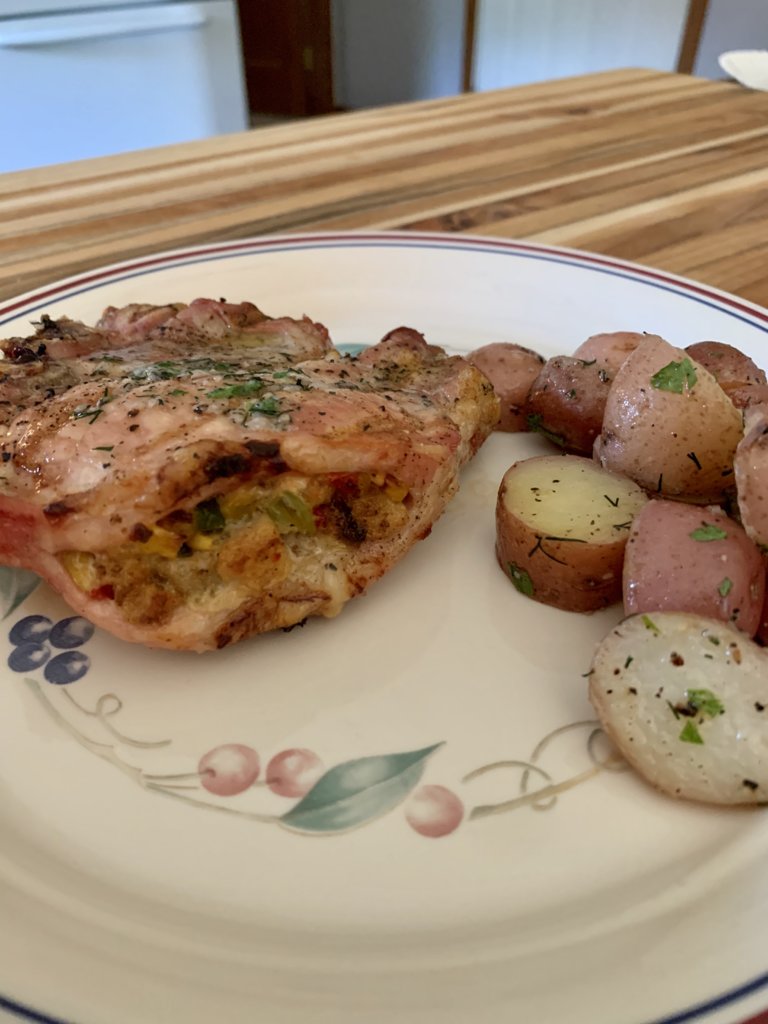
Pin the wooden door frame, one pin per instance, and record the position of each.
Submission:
(470, 30)
(691, 37)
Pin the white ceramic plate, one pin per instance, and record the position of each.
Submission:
(131, 894)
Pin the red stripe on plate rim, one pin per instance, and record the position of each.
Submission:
(180, 256)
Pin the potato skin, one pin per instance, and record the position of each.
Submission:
(761, 636)
(677, 444)
(735, 372)
(751, 471)
(511, 369)
(667, 569)
(609, 350)
(746, 395)
(568, 553)
(567, 401)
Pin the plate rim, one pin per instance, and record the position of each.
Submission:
(751, 313)
(205, 252)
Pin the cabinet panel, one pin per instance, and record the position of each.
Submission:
(520, 41)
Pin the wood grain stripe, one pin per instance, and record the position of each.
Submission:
(663, 168)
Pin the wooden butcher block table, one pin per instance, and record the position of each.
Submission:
(659, 168)
(663, 169)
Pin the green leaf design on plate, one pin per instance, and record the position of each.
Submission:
(15, 587)
(357, 791)
(350, 348)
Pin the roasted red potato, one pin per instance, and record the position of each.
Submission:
(511, 369)
(685, 700)
(684, 558)
(736, 373)
(751, 471)
(567, 401)
(669, 426)
(561, 528)
(609, 350)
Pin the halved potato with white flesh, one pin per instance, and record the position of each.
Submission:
(669, 425)
(685, 700)
(561, 528)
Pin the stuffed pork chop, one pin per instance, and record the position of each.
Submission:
(185, 476)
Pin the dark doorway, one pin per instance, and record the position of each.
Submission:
(287, 56)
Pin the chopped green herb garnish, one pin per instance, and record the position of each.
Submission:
(92, 412)
(103, 448)
(690, 734)
(704, 701)
(566, 540)
(209, 517)
(707, 532)
(177, 392)
(521, 579)
(268, 406)
(535, 425)
(650, 624)
(675, 377)
(714, 640)
(247, 389)
(538, 546)
(629, 661)
(726, 586)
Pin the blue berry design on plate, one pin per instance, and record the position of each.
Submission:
(35, 638)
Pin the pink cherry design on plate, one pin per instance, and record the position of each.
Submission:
(229, 769)
(294, 772)
(434, 811)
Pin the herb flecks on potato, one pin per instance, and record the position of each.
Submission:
(609, 350)
(692, 559)
(562, 524)
(567, 401)
(685, 700)
(669, 426)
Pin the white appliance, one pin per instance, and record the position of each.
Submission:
(83, 78)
